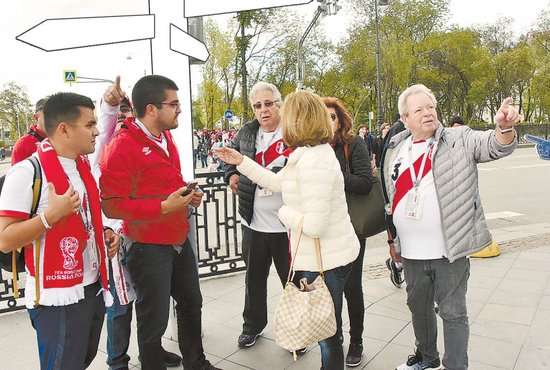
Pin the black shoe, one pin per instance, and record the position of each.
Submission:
(205, 365)
(355, 354)
(416, 362)
(247, 340)
(395, 276)
(170, 359)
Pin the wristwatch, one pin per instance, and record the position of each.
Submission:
(506, 130)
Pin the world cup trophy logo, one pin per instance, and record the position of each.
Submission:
(69, 246)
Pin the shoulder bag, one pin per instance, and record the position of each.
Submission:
(366, 210)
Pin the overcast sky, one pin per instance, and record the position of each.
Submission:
(42, 72)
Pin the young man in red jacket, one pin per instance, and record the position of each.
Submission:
(28, 143)
(141, 183)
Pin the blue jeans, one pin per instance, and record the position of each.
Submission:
(68, 336)
(445, 283)
(332, 353)
(119, 318)
(158, 272)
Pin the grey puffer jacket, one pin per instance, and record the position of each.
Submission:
(456, 154)
(245, 143)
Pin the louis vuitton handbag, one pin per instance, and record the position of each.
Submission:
(304, 315)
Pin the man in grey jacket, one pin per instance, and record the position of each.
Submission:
(436, 218)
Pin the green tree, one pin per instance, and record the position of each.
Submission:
(15, 110)
(457, 67)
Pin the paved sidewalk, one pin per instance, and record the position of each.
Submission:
(508, 304)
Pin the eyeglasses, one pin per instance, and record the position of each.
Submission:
(173, 104)
(333, 116)
(267, 104)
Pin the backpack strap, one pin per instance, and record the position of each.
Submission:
(36, 185)
(36, 193)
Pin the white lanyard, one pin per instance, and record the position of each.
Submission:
(415, 180)
(86, 214)
(266, 147)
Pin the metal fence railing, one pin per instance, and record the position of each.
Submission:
(216, 232)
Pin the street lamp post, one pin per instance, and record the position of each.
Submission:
(327, 7)
(378, 82)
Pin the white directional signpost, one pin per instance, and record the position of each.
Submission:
(170, 45)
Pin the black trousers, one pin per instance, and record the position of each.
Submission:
(353, 292)
(259, 249)
(158, 272)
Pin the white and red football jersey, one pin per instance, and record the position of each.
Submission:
(271, 154)
(420, 239)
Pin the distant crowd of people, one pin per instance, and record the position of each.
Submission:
(203, 142)
(110, 229)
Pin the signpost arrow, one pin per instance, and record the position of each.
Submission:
(69, 33)
(183, 43)
(167, 44)
(197, 8)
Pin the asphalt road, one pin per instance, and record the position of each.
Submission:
(518, 183)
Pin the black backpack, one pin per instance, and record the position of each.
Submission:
(17, 257)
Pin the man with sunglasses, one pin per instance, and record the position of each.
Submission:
(264, 237)
(141, 183)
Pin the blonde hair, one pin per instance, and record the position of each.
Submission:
(306, 120)
(412, 90)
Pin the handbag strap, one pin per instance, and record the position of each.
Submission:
(317, 250)
(346, 156)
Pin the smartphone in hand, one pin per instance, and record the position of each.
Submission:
(190, 187)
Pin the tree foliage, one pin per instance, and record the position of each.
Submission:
(15, 110)
(470, 70)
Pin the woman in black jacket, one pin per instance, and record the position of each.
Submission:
(357, 180)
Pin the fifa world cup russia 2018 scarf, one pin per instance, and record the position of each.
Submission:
(63, 265)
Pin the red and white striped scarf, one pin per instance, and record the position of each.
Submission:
(62, 270)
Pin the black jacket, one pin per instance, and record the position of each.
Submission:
(359, 180)
(245, 143)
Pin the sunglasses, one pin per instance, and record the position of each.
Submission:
(333, 116)
(267, 104)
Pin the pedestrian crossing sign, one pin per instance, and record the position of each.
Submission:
(69, 76)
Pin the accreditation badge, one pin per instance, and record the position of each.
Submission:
(413, 207)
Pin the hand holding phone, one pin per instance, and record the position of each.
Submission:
(190, 187)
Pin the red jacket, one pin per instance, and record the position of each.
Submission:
(136, 175)
(26, 145)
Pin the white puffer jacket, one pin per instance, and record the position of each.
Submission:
(313, 189)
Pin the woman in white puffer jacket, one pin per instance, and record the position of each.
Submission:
(312, 186)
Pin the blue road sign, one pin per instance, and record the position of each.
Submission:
(228, 114)
(69, 76)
